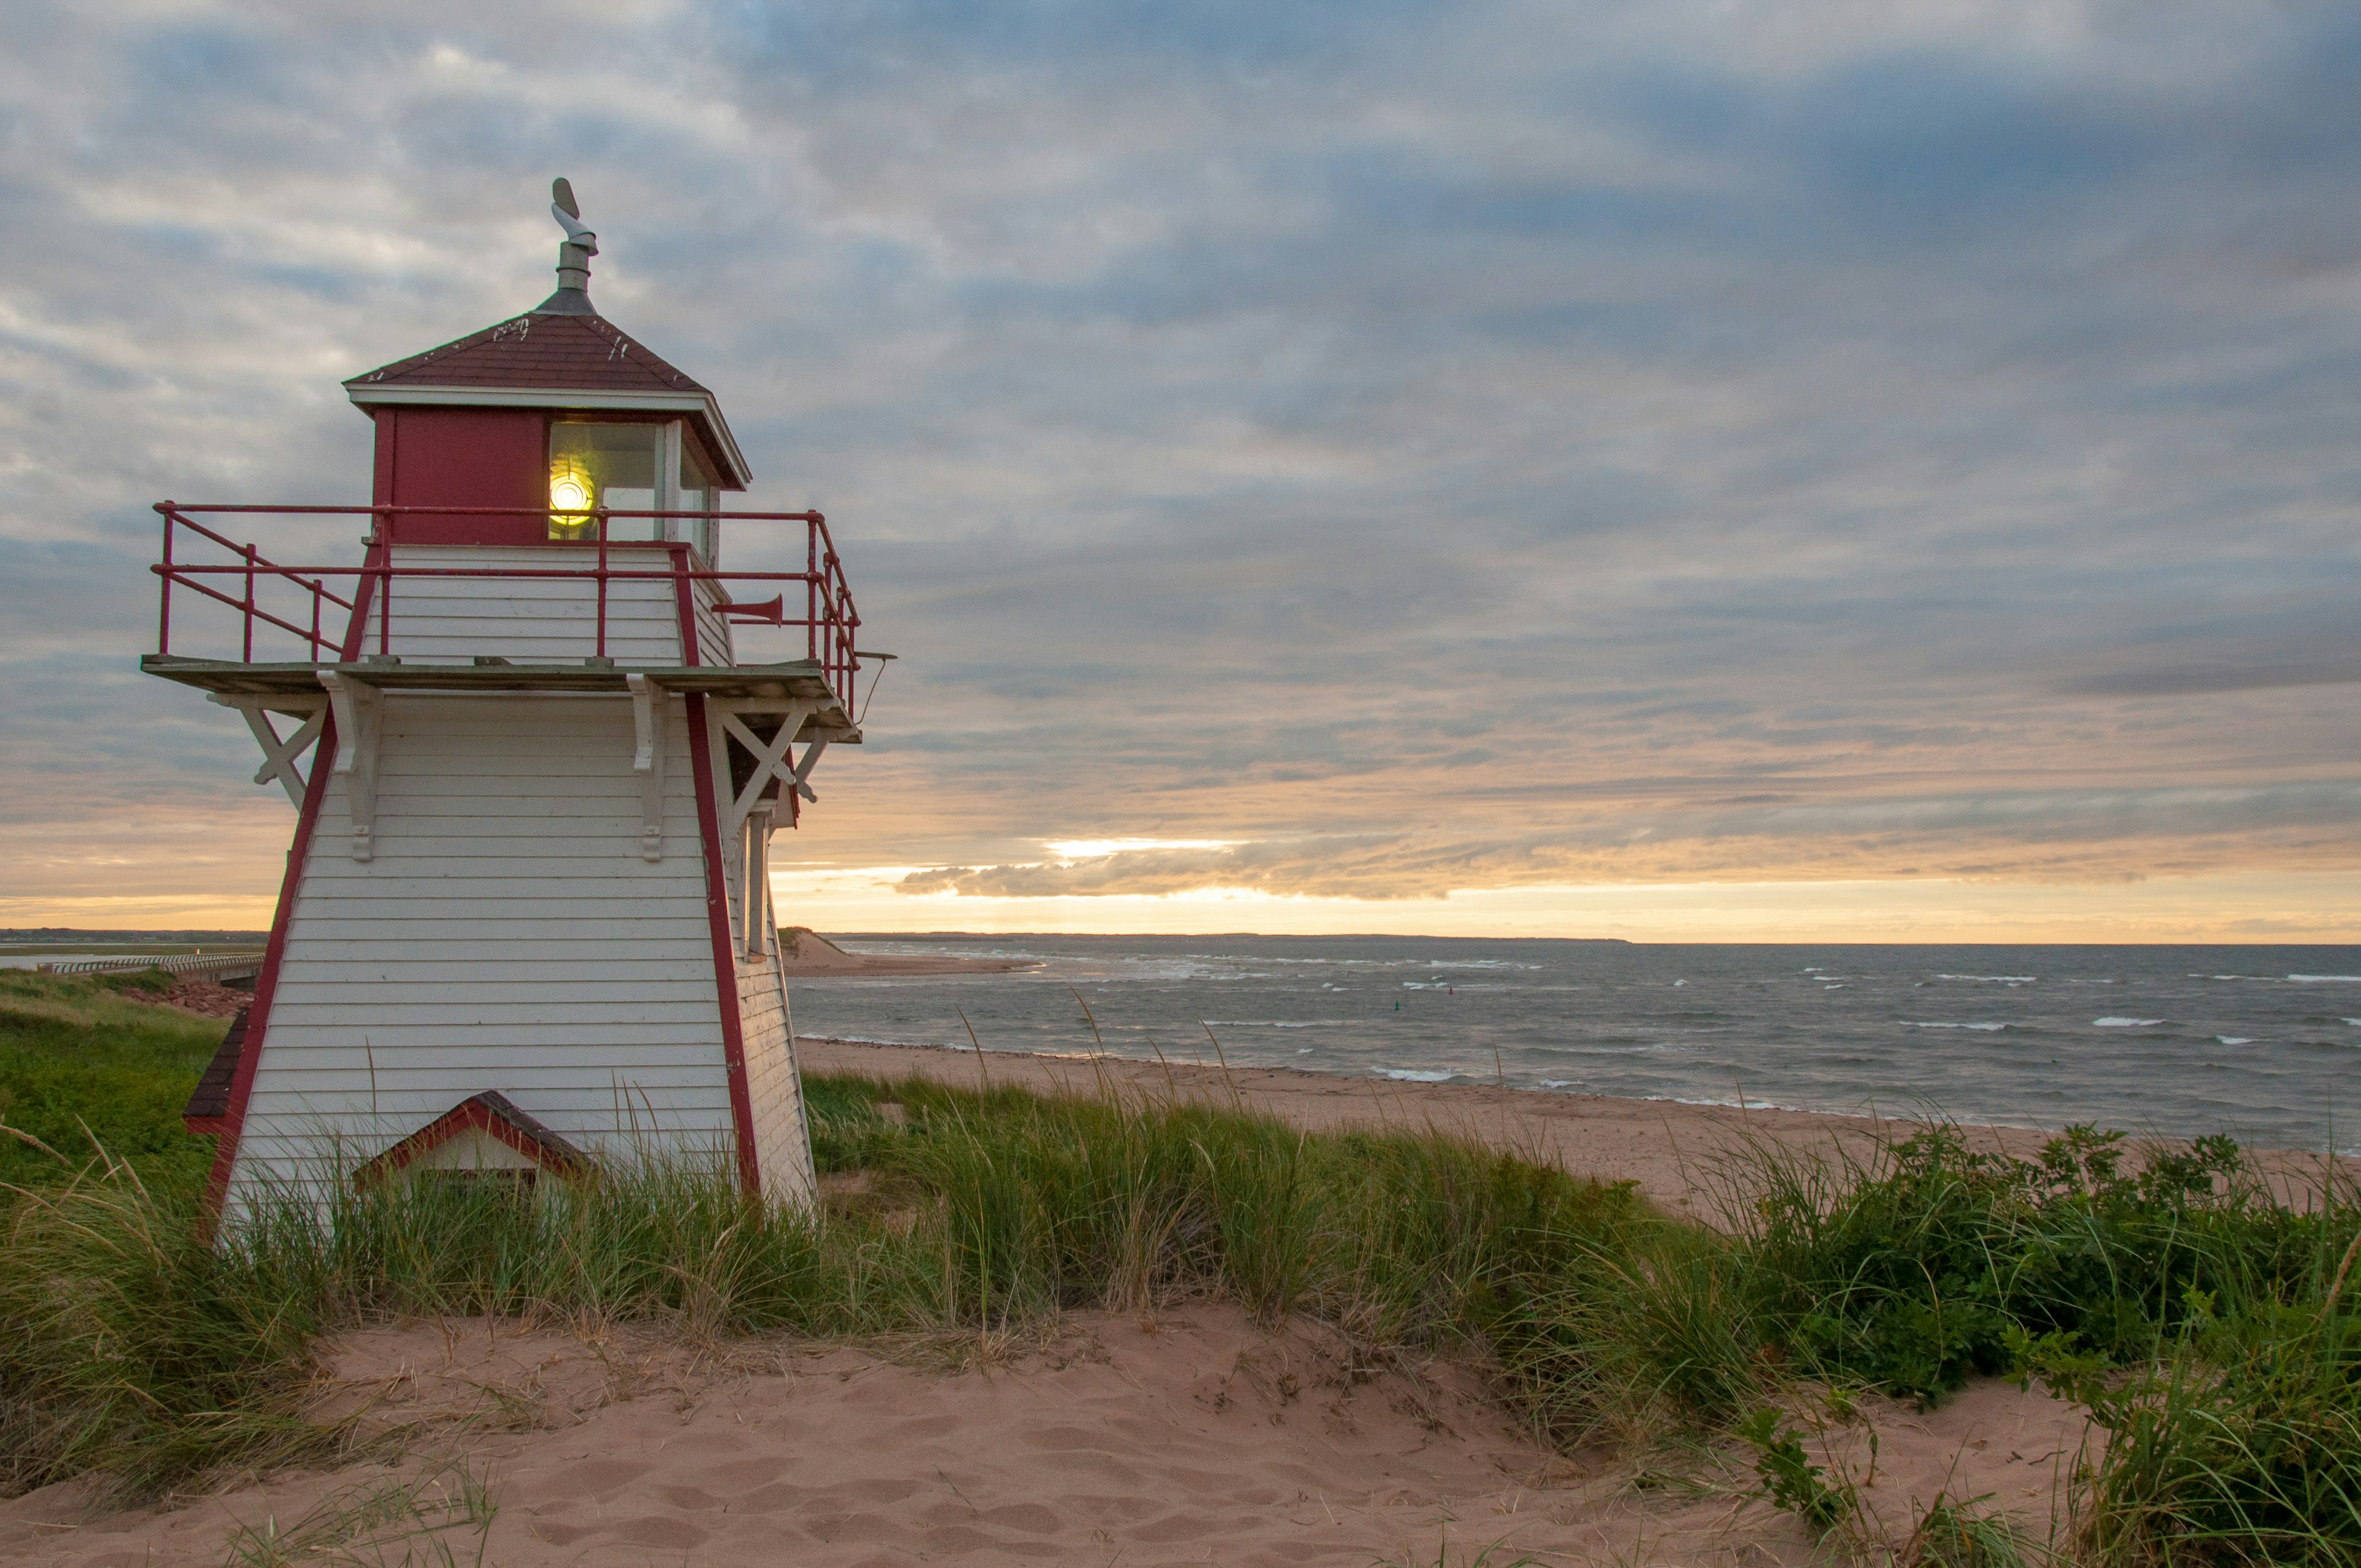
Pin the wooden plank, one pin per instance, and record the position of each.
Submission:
(623, 1032)
(556, 951)
(586, 1063)
(499, 1000)
(698, 1081)
(617, 874)
(544, 851)
(586, 976)
(525, 1005)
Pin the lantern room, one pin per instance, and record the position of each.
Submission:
(557, 407)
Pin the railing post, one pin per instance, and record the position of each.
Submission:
(249, 553)
(601, 517)
(384, 588)
(811, 589)
(164, 604)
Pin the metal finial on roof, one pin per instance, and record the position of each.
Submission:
(574, 254)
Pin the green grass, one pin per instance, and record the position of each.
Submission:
(77, 1053)
(2203, 1322)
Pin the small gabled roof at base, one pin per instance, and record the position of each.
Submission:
(494, 1115)
(544, 360)
(208, 1108)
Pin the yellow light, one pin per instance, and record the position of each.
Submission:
(570, 495)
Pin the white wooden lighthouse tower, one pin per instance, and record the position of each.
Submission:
(524, 927)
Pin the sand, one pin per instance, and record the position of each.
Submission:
(1190, 1435)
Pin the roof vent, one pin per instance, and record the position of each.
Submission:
(574, 254)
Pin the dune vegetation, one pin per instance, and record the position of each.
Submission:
(2212, 1332)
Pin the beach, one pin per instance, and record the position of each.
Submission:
(1678, 1156)
(1182, 1436)
(1181, 1430)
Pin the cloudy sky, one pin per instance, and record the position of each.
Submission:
(1678, 470)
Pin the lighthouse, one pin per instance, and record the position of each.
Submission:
(524, 931)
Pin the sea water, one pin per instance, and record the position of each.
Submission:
(2264, 1043)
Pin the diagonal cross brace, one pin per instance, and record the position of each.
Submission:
(774, 758)
(279, 753)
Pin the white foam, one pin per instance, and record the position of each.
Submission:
(1476, 963)
(1995, 979)
(1411, 1075)
(2354, 1021)
(1276, 1023)
(2325, 979)
(2126, 1023)
(1832, 988)
(1985, 1027)
(2232, 1040)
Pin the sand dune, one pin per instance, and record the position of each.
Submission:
(1188, 1436)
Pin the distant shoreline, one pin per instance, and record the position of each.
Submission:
(804, 952)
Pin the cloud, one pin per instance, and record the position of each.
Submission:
(1419, 449)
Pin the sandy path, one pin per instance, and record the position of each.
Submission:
(1187, 1437)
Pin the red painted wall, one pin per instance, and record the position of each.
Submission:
(464, 457)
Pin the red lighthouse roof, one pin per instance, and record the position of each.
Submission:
(560, 354)
(570, 352)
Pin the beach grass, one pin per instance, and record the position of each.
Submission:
(2210, 1328)
(96, 1053)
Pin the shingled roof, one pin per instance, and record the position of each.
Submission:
(570, 359)
(570, 352)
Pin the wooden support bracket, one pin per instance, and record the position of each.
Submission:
(759, 930)
(648, 711)
(279, 753)
(773, 759)
(360, 720)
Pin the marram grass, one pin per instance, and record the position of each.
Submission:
(2201, 1319)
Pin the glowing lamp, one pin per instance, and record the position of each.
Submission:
(570, 497)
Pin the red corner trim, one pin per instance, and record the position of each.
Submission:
(552, 1154)
(377, 555)
(266, 984)
(684, 592)
(725, 957)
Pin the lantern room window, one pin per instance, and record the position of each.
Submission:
(700, 494)
(613, 465)
(639, 467)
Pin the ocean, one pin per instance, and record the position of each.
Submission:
(2263, 1043)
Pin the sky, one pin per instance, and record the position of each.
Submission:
(1691, 469)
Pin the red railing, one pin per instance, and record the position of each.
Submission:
(301, 603)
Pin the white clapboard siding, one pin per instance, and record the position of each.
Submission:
(528, 620)
(773, 1091)
(713, 640)
(507, 935)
